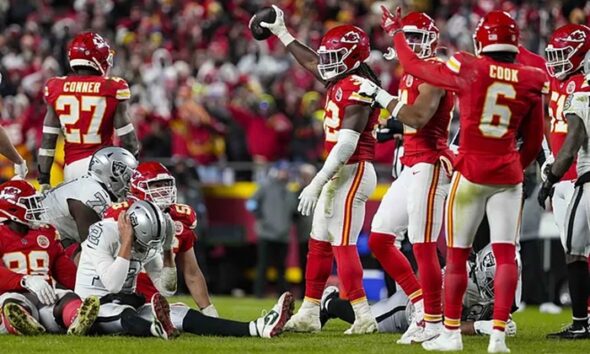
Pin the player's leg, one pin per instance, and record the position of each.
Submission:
(70, 312)
(19, 315)
(577, 232)
(504, 205)
(345, 225)
(319, 265)
(465, 208)
(562, 196)
(428, 189)
(334, 307)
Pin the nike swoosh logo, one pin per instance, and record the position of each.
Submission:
(271, 318)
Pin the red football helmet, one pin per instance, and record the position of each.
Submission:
(343, 48)
(13, 196)
(153, 182)
(421, 33)
(89, 49)
(566, 50)
(496, 32)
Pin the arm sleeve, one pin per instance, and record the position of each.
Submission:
(340, 153)
(433, 72)
(533, 133)
(164, 278)
(10, 280)
(101, 248)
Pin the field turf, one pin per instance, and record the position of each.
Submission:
(532, 326)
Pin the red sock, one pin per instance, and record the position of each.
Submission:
(350, 271)
(430, 279)
(455, 285)
(70, 311)
(319, 267)
(505, 282)
(395, 264)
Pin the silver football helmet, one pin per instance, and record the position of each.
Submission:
(113, 166)
(149, 226)
(484, 271)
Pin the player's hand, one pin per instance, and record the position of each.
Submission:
(389, 22)
(510, 328)
(368, 88)
(546, 167)
(210, 311)
(309, 198)
(170, 232)
(278, 27)
(41, 288)
(545, 192)
(125, 229)
(21, 169)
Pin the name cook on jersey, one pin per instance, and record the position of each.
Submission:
(81, 87)
(502, 73)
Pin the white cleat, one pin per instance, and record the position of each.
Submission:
(498, 343)
(426, 335)
(272, 323)
(447, 341)
(415, 330)
(305, 320)
(363, 325)
(326, 295)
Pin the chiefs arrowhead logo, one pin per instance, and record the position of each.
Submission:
(576, 36)
(10, 193)
(351, 37)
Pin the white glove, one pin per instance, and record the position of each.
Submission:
(40, 287)
(309, 198)
(368, 88)
(21, 169)
(510, 328)
(170, 232)
(210, 311)
(548, 161)
(278, 28)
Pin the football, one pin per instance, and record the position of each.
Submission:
(266, 14)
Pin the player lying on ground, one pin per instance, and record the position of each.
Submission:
(343, 185)
(499, 101)
(415, 201)
(86, 107)
(395, 313)
(73, 206)
(577, 246)
(32, 258)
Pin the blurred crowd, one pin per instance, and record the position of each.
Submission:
(202, 88)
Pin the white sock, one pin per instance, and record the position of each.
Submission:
(310, 306)
(418, 310)
(434, 326)
(253, 331)
(497, 334)
(361, 308)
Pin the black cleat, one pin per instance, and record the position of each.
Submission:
(571, 332)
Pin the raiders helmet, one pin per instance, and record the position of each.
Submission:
(113, 166)
(149, 226)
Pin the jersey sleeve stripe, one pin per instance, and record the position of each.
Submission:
(51, 130)
(454, 65)
(123, 94)
(357, 97)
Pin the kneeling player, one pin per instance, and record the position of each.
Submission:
(31, 258)
(394, 314)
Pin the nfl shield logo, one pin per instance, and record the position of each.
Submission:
(338, 94)
(409, 80)
(42, 241)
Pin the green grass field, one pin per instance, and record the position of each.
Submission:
(532, 326)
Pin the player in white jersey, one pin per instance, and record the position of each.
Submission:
(577, 229)
(113, 255)
(73, 206)
(395, 313)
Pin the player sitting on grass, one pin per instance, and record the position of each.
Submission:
(32, 258)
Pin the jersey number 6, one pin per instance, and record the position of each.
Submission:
(487, 126)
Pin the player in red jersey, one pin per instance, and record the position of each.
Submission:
(415, 200)
(341, 188)
(153, 182)
(498, 101)
(32, 261)
(565, 58)
(86, 107)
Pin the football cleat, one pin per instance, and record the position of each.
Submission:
(305, 320)
(271, 324)
(571, 332)
(427, 334)
(162, 321)
(498, 343)
(415, 330)
(447, 341)
(363, 325)
(331, 292)
(19, 321)
(87, 314)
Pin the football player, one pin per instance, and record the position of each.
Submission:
(498, 101)
(32, 261)
(565, 56)
(153, 182)
(338, 193)
(113, 255)
(415, 200)
(75, 205)
(576, 110)
(395, 313)
(7, 150)
(86, 107)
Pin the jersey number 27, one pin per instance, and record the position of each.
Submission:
(74, 108)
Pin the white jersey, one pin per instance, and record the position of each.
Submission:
(99, 252)
(85, 189)
(579, 105)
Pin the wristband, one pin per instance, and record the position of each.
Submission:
(51, 130)
(383, 98)
(124, 130)
(286, 38)
(47, 152)
(397, 108)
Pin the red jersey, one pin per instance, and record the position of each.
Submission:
(85, 106)
(431, 141)
(559, 91)
(498, 102)
(39, 252)
(528, 58)
(185, 221)
(342, 94)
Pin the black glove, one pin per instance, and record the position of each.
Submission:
(545, 192)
